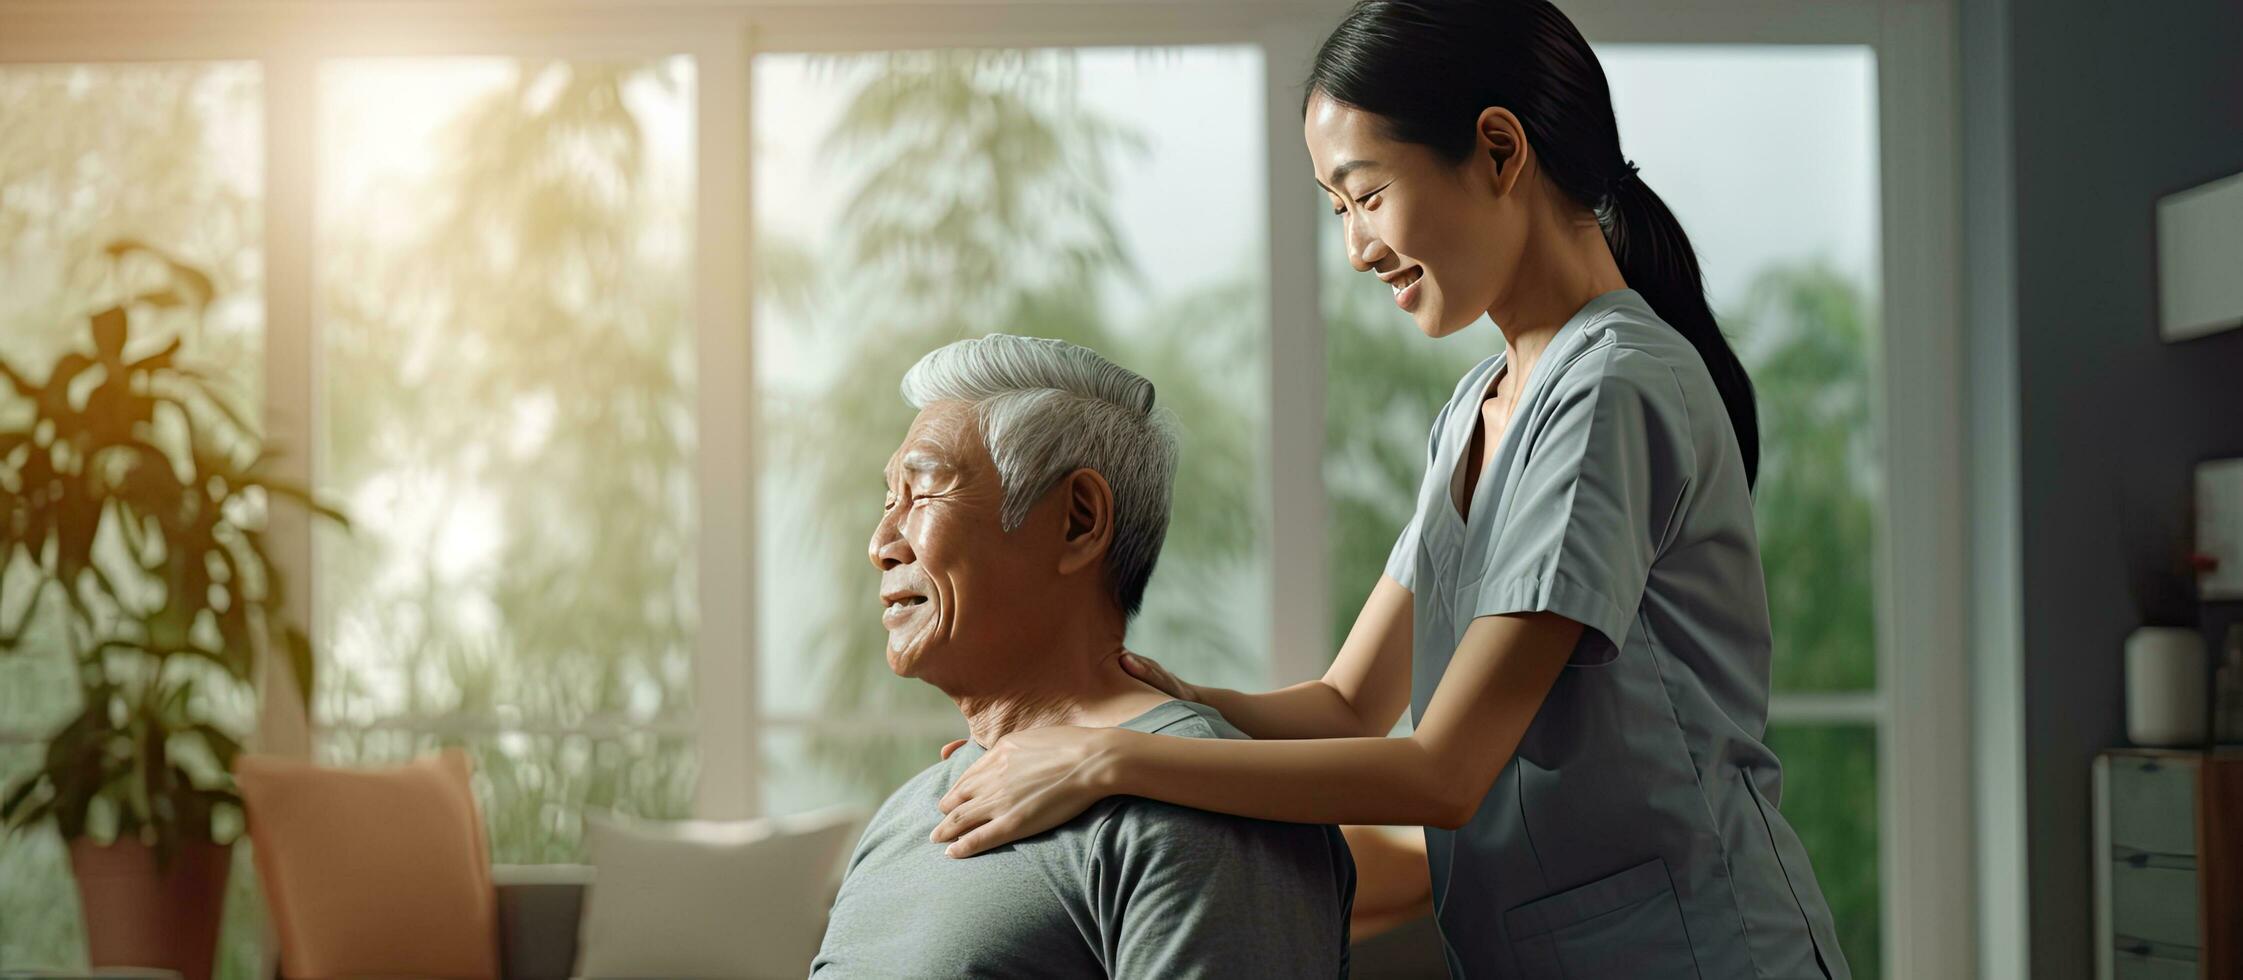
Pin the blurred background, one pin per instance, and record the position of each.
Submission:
(594, 336)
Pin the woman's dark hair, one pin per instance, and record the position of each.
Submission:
(1429, 67)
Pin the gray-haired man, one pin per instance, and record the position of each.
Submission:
(1025, 512)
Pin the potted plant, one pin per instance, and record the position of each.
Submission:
(132, 499)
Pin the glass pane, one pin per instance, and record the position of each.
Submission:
(39, 922)
(505, 264)
(1830, 797)
(1109, 196)
(170, 156)
(535, 789)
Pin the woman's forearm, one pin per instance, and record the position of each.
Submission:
(1435, 777)
(1033, 780)
(1333, 780)
(1363, 693)
(1310, 709)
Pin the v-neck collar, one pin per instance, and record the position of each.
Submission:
(1535, 381)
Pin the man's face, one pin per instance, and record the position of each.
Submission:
(955, 587)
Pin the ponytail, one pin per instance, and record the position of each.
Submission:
(1656, 259)
(1428, 68)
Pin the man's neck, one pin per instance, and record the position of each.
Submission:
(1081, 684)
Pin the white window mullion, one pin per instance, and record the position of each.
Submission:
(1833, 708)
(1299, 547)
(291, 375)
(944, 725)
(724, 665)
(469, 727)
(1923, 657)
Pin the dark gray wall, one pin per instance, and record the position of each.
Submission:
(2111, 106)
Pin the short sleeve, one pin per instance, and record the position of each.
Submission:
(1595, 498)
(1401, 563)
(1178, 892)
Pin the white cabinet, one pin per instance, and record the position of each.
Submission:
(2150, 900)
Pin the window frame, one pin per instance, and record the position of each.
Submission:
(1921, 707)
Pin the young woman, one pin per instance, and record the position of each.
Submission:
(1575, 616)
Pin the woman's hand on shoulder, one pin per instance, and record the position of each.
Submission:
(1028, 783)
(1150, 671)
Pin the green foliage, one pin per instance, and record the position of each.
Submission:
(131, 537)
(1805, 336)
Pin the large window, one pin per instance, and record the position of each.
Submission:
(1113, 197)
(504, 266)
(1768, 157)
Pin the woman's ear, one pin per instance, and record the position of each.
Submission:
(1088, 504)
(1502, 137)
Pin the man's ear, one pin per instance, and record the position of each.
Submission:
(1502, 138)
(1087, 504)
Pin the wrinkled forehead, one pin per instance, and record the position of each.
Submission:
(944, 438)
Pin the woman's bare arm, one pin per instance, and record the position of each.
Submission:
(1494, 685)
(1362, 694)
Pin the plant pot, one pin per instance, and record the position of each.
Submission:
(137, 915)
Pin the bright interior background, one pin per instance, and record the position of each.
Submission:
(505, 263)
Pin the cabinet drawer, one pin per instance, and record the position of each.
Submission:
(2136, 959)
(2154, 898)
(2153, 804)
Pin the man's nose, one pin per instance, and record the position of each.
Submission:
(888, 548)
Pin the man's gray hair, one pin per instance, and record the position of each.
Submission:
(1048, 408)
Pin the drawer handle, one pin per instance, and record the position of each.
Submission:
(2144, 949)
(2144, 860)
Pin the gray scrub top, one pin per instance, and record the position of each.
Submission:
(1635, 832)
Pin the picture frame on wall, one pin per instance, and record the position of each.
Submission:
(2200, 260)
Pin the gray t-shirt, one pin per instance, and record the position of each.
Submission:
(1131, 888)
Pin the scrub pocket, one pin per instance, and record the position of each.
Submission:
(1623, 925)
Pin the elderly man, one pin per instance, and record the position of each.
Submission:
(1025, 511)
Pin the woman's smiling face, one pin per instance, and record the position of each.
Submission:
(1439, 234)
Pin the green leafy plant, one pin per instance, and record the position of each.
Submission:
(133, 494)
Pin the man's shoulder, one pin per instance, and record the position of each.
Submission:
(1131, 821)
(1187, 719)
(916, 794)
(1146, 842)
